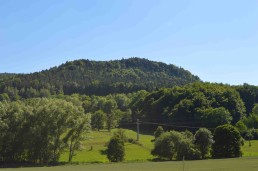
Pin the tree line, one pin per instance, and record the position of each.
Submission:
(38, 130)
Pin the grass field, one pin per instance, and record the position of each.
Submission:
(138, 157)
(252, 150)
(134, 152)
(238, 164)
(97, 141)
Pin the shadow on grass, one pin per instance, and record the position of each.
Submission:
(29, 164)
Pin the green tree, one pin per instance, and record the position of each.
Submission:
(164, 148)
(109, 108)
(241, 127)
(116, 150)
(203, 140)
(120, 134)
(76, 135)
(98, 120)
(159, 131)
(255, 109)
(175, 145)
(249, 136)
(227, 142)
(213, 117)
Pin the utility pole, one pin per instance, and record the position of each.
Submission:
(138, 129)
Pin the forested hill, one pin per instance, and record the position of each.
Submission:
(4, 76)
(98, 78)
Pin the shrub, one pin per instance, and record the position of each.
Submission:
(116, 150)
(158, 132)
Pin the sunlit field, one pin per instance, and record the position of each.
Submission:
(96, 142)
(238, 164)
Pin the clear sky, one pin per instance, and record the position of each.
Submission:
(214, 39)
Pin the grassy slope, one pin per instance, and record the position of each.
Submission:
(98, 140)
(250, 151)
(133, 152)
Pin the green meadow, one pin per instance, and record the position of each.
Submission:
(237, 164)
(96, 143)
(138, 158)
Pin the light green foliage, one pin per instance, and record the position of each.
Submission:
(213, 117)
(164, 147)
(175, 145)
(120, 134)
(241, 127)
(203, 140)
(38, 130)
(255, 109)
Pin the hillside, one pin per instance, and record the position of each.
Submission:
(97, 77)
(4, 76)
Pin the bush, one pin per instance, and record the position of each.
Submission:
(158, 132)
(116, 150)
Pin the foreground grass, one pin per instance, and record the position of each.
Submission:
(238, 164)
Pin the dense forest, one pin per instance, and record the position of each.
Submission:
(42, 114)
(96, 78)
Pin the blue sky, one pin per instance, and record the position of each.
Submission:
(216, 39)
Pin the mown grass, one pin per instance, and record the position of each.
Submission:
(237, 164)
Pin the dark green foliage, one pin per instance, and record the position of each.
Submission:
(159, 131)
(227, 142)
(116, 150)
(203, 140)
(198, 104)
(249, 94)
(255, 134)
(96, 78)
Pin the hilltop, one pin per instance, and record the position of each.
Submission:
(97, 78)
